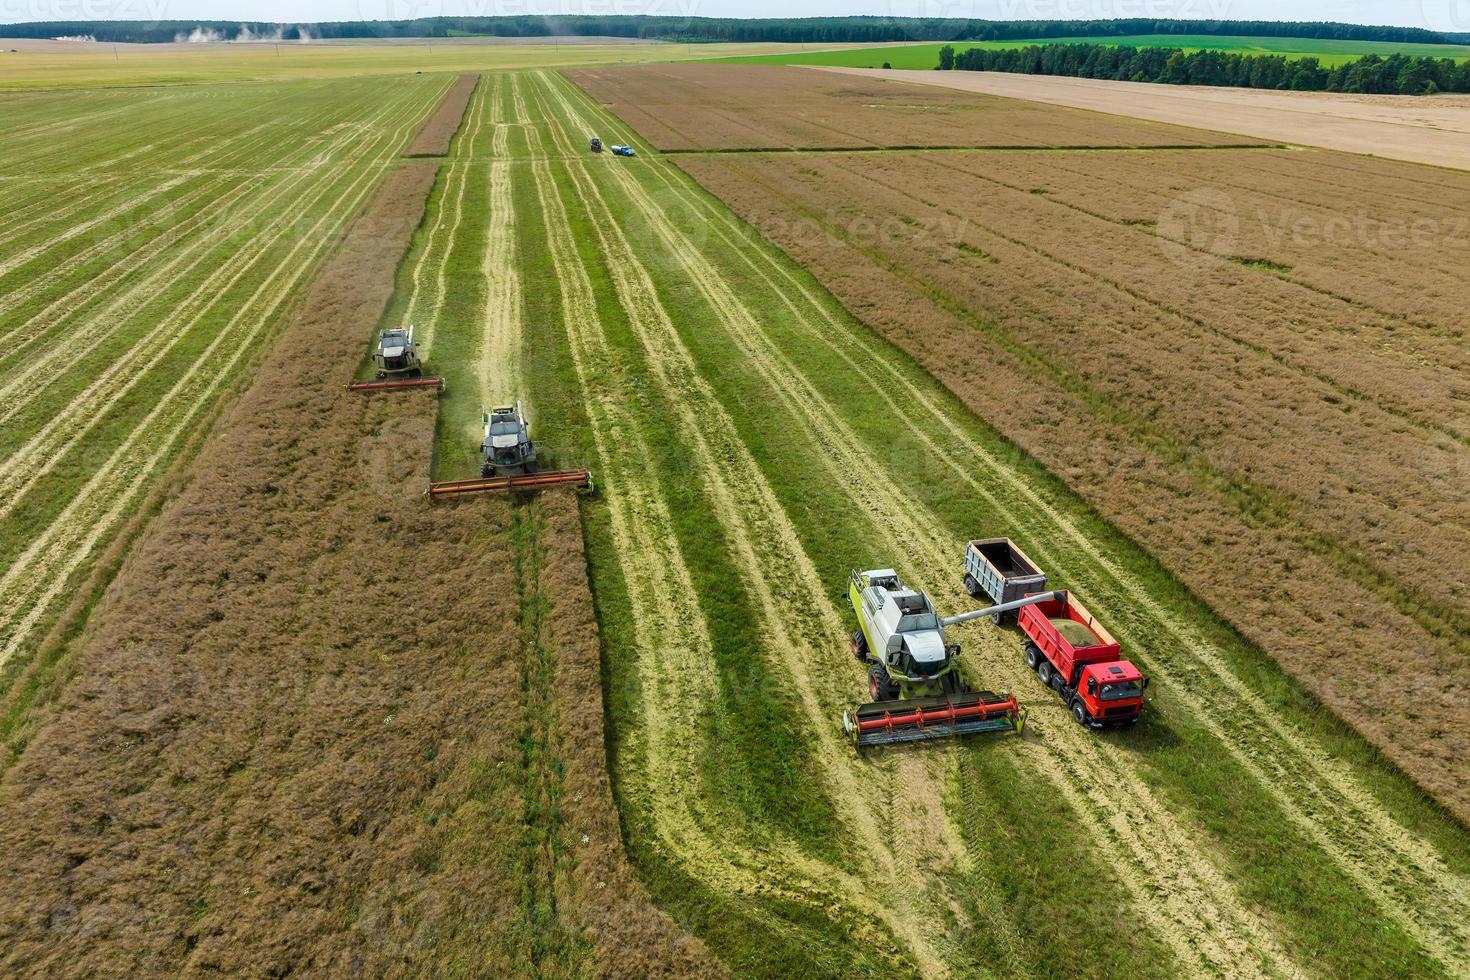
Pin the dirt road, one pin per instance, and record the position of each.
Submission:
(1434, 130)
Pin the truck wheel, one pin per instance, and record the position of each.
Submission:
(878, 684)
(1033, 656)
(972, 586)
(859, 645)
(1079, 712)
(1057, 684)
(1043, 670)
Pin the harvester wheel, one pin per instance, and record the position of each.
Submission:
(972, 586)
(879, 686)
(1079, 713)
(1033, 656)
(859, 645)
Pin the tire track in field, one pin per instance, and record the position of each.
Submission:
(1313, 789)
(47, 322)
(661, 595)
(1205, 922)
(32, 461)
(500, 334)
(456, 181)
(32, 583)
(791, 597)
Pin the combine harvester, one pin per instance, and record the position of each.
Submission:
(913, 673)
(508, 461)
(398, 363)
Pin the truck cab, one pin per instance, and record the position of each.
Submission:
(1110, 694)
(507, 446)
(396, 353)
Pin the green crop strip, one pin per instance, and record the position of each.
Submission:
(1179, 758)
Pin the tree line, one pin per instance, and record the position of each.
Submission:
(708, 29)
(1396, 74)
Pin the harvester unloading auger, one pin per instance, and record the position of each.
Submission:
(398, 364)
(913, 673)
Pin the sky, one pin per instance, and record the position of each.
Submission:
(1451, 15)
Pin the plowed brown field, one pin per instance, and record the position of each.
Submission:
(1281, 420)
(292, 743)
(747, 107)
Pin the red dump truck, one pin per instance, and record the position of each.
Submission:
(1076, 657)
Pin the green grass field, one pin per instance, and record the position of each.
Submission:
(927, 55)
(731, 411)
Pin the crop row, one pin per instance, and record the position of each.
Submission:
(122, 338)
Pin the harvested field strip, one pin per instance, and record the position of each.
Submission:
(434, 251)
(23, 466)
(1406, 850)
(499, 368)
(1256, 623)
(1419, 862)
(54, 227)
(217, 223)
(1198, 913)
(664, 597)
(625, 469)
(207, 227)
(57, 548)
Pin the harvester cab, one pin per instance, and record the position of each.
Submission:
(507, 448)
(398, 365)
(913, 671)
(396, 354)
(508, 462)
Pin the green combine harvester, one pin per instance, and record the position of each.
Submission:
(913, 673)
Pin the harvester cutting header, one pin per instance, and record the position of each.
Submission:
(398, 364)
(508, 460)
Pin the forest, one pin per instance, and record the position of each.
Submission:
(1396, 74)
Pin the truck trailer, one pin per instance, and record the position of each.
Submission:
(1078, 659)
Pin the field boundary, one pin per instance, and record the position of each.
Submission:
(961, 148)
